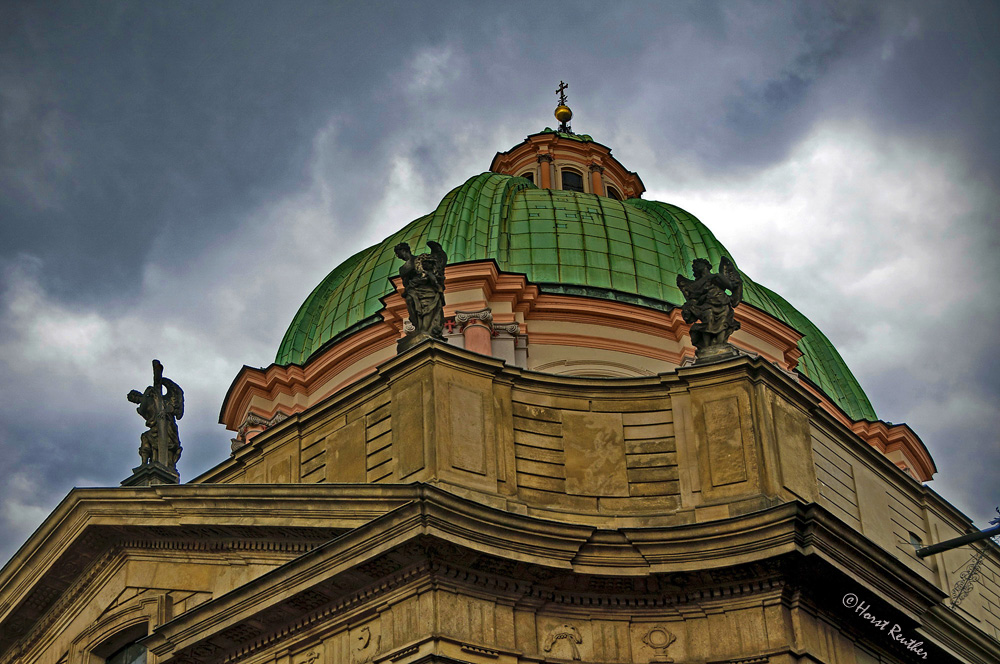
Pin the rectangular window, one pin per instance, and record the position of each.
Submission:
(572, 181)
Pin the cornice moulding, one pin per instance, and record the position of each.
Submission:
(805, 526)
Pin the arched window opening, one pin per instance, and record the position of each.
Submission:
(529, 176)
(613, 193)
(572, 181)
(121, 647)
(133, 653)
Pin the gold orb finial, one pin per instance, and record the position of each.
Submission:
(563, 113)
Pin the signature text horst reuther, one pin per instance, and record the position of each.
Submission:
(893, 630)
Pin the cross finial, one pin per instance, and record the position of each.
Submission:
(563, 114)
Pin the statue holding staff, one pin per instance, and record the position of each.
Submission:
(160, 444)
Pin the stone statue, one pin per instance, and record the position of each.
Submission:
(423, 290)
(160, 444)
(707, 302)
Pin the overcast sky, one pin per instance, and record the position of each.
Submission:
(176, 177)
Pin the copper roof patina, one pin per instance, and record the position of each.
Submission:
(565, 242)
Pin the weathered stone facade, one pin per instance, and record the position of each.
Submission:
(439, 511)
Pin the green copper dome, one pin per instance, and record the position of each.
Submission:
(565, 242)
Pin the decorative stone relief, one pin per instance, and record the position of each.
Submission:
(567, 633)
(595, 454)
(366, 646)
(658, 639)
(308, 658)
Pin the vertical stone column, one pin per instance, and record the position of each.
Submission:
(478, 338)
(477, 330)
(521, 351)
(505, 343)
(596, 183)
(545, 164)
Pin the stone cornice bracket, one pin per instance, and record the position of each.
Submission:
(408, 326)
(258, 423)
(513, 329)
(791, 375)
(253, 419)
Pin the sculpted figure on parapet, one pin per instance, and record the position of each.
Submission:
(160, 443)
(709, 309)
(423, 289)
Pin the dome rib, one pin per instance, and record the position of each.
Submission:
(301, 333)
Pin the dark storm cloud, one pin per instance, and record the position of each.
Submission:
(940, 80)
(178, 119)
(170, 118)
(175, 177)
(175, 118)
